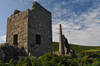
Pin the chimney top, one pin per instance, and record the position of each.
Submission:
(60, 28)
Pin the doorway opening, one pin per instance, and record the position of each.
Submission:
(38, 39)
(15, 39)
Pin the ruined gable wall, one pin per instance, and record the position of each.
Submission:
(40, 23)
(18, 24)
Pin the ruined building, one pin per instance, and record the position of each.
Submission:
(61, 44)
(64, 47)
(31, 29)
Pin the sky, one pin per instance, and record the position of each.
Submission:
(80, 19)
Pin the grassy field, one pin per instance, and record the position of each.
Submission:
(77, 48)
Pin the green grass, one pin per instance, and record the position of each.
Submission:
(77, 48)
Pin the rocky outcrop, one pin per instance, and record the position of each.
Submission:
(7, 52)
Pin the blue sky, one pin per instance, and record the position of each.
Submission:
(80, 18)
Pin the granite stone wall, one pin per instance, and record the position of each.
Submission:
(31, 26)
(17, 24)
(40, 23)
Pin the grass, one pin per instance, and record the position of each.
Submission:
(77, 48)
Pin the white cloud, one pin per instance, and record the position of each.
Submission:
(85, 32)
(3, 39)
(35, 0)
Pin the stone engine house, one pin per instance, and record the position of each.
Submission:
(31, 29)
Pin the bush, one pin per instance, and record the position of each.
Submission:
(11, 61)
(27, 61)
(20, 63)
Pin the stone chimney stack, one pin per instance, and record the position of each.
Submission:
(61, 45)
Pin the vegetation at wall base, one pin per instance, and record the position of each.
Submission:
(87, 56)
